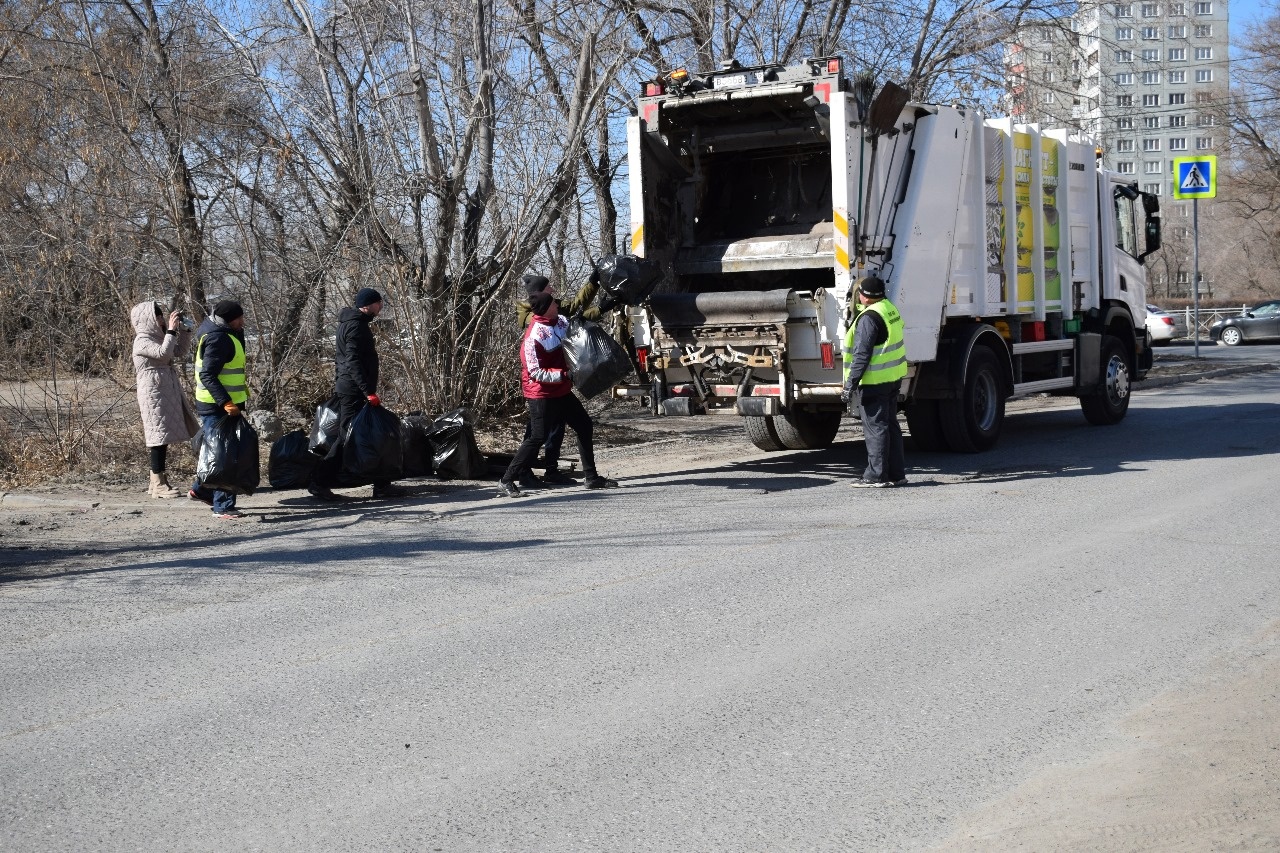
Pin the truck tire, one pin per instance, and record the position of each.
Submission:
(762, 434)
(972, 423)
(802, 430)
(925, 426)
(1109, 404)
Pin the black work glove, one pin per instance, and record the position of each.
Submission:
(594, 278)
(608, 303)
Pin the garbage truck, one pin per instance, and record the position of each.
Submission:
(766, 193)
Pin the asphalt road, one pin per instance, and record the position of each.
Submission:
(733, 656)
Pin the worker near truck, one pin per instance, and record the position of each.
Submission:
(547, 386)
(579, 304)
(221, 388)
(875, 363)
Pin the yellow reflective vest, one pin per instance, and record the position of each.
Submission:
(889, 360)
(231, 376)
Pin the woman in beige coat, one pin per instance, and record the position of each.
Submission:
(166, 416)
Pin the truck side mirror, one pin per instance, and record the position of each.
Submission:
(1151, 207)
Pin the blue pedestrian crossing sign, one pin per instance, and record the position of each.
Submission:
(1195, 177)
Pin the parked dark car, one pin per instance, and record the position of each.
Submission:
(1257, 323)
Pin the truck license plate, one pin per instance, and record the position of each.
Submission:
(731, 81)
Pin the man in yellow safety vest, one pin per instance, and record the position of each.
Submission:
(221, 388)
(875, 363)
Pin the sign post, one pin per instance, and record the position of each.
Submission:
(1195, 178)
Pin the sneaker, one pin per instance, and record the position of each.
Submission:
(196, 496)
(325, 495)
(229, 515)
(901, 482)
(388, 491)
(508, 490)
(556, 477)
(598, 482)
(530, 480)
(869, 484)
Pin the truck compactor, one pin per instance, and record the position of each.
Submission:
(765, 193)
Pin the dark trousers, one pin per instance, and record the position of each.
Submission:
(326, 475)
(222, 501)
(159, 454)
(551, 447)
(880, 431)
(543, 414)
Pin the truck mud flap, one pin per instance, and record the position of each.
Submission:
(758, 407)
(681, 407)
(1088, 362)
(731, 308)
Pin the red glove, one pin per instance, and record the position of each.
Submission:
(373, 400)
(231, 409)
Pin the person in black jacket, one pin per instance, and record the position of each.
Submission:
(355, 385)
(221, 389)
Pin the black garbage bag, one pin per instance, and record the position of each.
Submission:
(371, 449)
(291, 463)
(416, 445)
(455, 454)
(228, 460)
(598, 361)
(324, 432)
(627, 278)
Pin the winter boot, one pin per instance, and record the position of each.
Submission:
(160, 487)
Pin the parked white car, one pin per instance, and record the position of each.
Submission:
(1162, 325)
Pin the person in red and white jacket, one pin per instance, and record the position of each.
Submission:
(547, 385)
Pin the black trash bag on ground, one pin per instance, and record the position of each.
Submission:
(598, 361)
(291, 464)
(455, 454)
(228, 460)
(416, 444)
(324, 432)
(371, 449)
(627, 278)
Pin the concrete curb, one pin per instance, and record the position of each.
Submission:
(1183, 378)
(8, 500)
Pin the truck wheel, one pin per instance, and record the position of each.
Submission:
(802, 430)
(972, 423)
(1109, 404)
(925, 426)
(762, 434)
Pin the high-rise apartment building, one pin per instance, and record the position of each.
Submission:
(1148, 80)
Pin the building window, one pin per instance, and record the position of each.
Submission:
(1178, 31)
(1124, 145)
(1046, 57)
(1177, 98)
(1049, 98)
(1177, 76)
(1152, 189)
(1204, 53)
(1150, 78)
(1151, 122)
(1177, 54)
(1150, 10)
(1124, 123)
(1151, 33)
(1204, 75)
(1204, 143)
(1177, 121)
(1124, 78)
(1177, 8)
(1124, 10)
(1178, 144)
(1204, 8)
(1153, 167)
(1151, 145)
(1048, 76)
(1124, 33)
(1206, 121)
(1204, 31)
(1151, 55)
(1124, 100)
(1124, 56)
(1204, 98)
(1125, 167)
(1151, 100)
